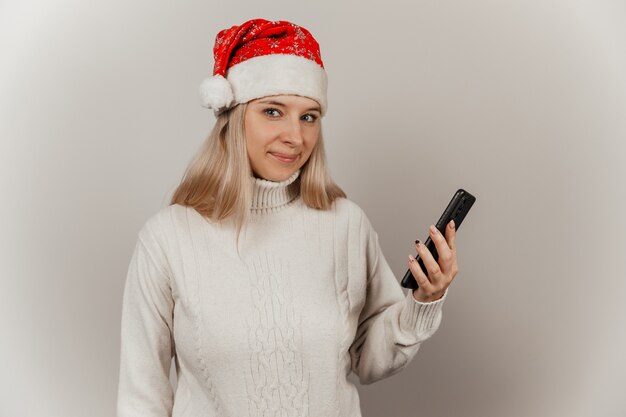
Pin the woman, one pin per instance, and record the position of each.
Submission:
(261, 279)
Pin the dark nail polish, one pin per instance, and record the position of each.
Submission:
(417, 242)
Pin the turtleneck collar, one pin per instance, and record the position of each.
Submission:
(268, 196)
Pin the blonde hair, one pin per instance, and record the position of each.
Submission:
(218, 181)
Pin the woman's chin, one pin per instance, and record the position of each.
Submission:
(277, 171)
(276, 175)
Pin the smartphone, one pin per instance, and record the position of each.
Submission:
(457, 209)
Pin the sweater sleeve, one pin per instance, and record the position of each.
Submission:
(391, 325)
(147, 345)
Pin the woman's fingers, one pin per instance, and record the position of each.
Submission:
(445, 254)
(451, 235)
(432, 267)
(439, 273)
(422, 280)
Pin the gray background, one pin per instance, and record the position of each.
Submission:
(521, 103)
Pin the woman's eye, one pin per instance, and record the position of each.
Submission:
(312, 117)
(270, 110)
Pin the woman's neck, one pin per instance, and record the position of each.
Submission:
(268, 196)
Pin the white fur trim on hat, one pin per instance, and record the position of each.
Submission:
(216, 93)
(275, 74)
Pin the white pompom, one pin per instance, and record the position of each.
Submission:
(216, 92)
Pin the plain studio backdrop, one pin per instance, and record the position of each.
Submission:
(522, 103)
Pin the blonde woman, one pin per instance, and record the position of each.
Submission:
(261, 280)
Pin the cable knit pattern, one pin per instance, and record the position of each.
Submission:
(271, 330)
(279, 382)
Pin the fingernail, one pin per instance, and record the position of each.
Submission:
(417, 242)
(433, 228)
(411, 258)
(452, 224)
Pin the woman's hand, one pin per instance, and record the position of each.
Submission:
(440, 275)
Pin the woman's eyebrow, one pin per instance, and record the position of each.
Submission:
(278, 103)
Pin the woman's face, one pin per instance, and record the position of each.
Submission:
(281, 132)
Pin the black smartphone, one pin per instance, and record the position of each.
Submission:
(457, 210)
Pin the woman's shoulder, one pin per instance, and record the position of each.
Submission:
(351, 211)
(164, 221)
(344, 205)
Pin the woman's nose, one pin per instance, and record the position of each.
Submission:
(292, 132)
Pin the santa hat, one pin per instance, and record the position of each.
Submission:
(262, 58)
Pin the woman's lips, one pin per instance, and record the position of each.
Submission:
(284, 158)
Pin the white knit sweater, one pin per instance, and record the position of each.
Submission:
(274, 332)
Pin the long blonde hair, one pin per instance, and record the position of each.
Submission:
(218, 181)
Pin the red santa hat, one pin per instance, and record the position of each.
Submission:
(263, 58)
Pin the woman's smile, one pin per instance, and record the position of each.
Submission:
(284, 158)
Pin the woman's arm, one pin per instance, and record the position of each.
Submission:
(147, 345)
(391, 325)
